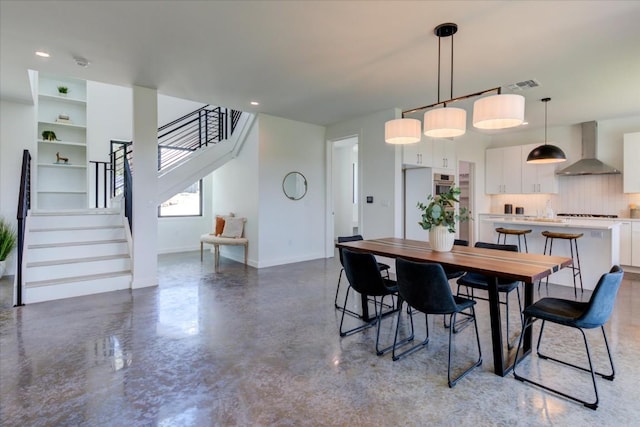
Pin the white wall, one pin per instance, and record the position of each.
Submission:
(17, 133)
(290, 230)
(235, 188)
(380, 173)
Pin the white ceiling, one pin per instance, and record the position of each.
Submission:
(324, 61)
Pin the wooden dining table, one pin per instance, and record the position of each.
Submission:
(516, 266)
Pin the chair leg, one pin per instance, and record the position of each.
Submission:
(335, 300)
(591, 370)
(453, 382)
(201, 250)
(416, 347)
(358, 328)
(579, 268)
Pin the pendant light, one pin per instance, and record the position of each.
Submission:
(442, 121)
(445, 122)
(546, 153)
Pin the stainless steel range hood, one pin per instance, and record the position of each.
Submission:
(589, 165)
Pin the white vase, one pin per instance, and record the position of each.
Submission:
(441, 239)
(2, 268)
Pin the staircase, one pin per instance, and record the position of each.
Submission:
(82, 252)
(74, 253)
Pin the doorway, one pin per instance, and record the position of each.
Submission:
(344, 182)
(466, 173)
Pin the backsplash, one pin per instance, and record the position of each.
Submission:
(588, 194)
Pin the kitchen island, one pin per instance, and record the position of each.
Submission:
(599, 247)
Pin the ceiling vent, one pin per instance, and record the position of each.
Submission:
(524, 85)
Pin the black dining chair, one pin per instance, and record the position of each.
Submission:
(479, 281)
(384, 269)
(364, 277)
(424, 287)
(578, 315)
(453, 273)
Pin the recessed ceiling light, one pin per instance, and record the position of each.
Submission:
(42, 54)
(254, 103)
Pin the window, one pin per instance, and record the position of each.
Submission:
(186, 203)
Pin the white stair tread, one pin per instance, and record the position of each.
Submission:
(100, 211)
(67, 244)
(76, 260)
(77, 279)
(93, 227)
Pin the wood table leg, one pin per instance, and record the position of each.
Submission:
(201, 250)
(216, 257)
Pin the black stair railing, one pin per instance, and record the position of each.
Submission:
(200, 128)
(24, 204)
(101, 187)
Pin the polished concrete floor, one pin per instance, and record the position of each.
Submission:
(247, 347)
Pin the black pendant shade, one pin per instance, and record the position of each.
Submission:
(546, 153)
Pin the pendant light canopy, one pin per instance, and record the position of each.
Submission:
(546, 153)
(492, 112)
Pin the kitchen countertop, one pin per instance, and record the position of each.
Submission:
(581, 218)
(571, 222)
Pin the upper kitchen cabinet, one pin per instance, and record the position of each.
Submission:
(503, 170)
(444, 155)
(62, 143)
(631, 172)
(417, 155)
(540, 178)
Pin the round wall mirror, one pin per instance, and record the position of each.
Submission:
(294, 185)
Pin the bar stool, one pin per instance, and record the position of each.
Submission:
(573, 241)
(506, 231)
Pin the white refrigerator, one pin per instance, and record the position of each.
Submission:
(418, 185)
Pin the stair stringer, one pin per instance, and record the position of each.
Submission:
(203, 161)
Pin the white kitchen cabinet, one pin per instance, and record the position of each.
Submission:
(540, 178)
(635, 243)
(503, 170)
(418, 154)
(625, 243)
(444, 155)
(61, 184)
(631, 172)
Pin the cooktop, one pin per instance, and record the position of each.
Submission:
(583, 215)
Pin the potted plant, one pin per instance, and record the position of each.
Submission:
(7, 243)
(62, 90)
(49, 135)
(439, 218)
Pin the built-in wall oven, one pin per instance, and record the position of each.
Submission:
(442, 183)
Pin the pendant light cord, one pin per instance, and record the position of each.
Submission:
(439, 42)
(451, 96)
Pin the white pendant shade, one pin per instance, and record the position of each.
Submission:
(402, 131)
(498, 111)
(445, 122)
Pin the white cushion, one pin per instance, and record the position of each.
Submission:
(233, 227)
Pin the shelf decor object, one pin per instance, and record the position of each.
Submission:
(49, 135)
(62, 91)
(63, 118)
(546, 153)
(498, 111)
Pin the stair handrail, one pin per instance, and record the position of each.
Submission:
(179, 119)
(128, 193)
(24, 204)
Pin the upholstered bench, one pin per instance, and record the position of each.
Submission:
(217, 241)
(229, 231)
